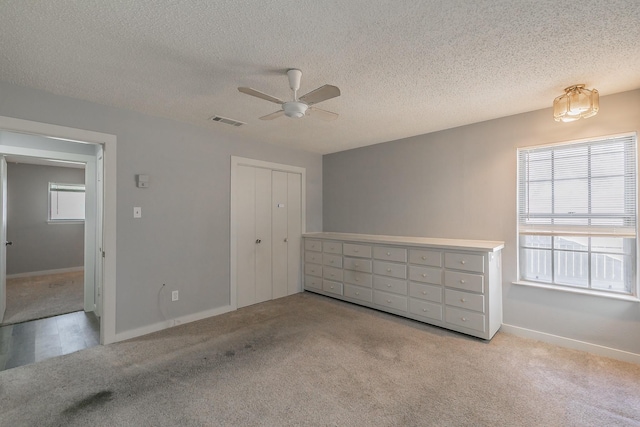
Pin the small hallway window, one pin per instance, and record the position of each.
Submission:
(66, 202)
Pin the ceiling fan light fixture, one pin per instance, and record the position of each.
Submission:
(295, 109)
(576, 103)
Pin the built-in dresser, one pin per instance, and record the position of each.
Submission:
(451, 283)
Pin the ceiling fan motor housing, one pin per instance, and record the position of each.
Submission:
(295, 109)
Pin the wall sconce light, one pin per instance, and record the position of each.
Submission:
(576, 102)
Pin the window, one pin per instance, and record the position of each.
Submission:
(66, 202)
(577, 214)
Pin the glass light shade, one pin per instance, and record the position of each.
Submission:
(576, 103)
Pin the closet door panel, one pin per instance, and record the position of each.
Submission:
(279, 210)
(246, 236)
(294, 232)
(263, 235)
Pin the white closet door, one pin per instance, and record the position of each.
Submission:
(279, 208)
(263, 235)
(246, 236)
(294, 232)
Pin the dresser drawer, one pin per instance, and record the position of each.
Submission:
(332, 273)
(332, 247)
(390, 269)
(464, 300)
(426, 292)
(390, 254)
(315, 257)
(363, 251)
(357, 264)
(464, 262)
(430, 258)
(425, 309)
(356, 292)
(332, 260)
(390, 285)
(313, 270)
(332, 287)
(465, 319)
(385, 299)
(425, 274)
(313, 245)
(465, 281)
(312, 282)
(357, 278)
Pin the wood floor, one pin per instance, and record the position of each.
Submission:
(37, 340)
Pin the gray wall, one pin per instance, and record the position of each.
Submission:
(461, 183)
(182, 238)
(38, 245)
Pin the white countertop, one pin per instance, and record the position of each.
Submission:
(460, 244)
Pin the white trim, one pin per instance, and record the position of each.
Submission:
(166, 324)
(46, 272)
(590, 292)
(238, 161)
(596, 349)
(578, 141)
(109, 142)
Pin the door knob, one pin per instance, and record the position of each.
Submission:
(258, 240)
(286, 240)
(8, 243)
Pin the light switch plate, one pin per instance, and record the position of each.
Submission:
(137, 212)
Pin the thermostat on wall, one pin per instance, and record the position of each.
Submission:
(142, 181)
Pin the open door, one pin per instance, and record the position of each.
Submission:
(99, 264)
(3, 237)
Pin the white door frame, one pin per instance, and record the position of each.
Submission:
(108, 142)
(242, 161)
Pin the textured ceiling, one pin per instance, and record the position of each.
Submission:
(404, 68)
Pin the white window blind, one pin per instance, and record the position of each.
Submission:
(584, 188)
(66, 202)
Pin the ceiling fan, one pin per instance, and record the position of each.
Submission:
(302, 106)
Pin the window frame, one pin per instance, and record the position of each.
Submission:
(633, 253)
(50, 189)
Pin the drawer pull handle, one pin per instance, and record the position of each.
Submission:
(355, 265)
(424, 258)
(464, 319)
(463, 262)
(332, 274)
(388, 285)
(388, 270)
(424, 309)
(355, 250)
(357, 293)
(331, 262)
(357, 280)
(331, 286)
(389, 301)
(424, 292)
(462, 281)
(424, 274)
(388, 253)
(463, 300)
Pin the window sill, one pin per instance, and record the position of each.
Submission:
(577, 291)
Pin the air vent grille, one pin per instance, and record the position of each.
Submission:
(226, 121)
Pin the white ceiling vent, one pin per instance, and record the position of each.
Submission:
(227, 121)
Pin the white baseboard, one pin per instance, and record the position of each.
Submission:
(596, 349)
(166, 324)
(46, 272)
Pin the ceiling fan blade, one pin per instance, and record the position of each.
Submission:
(260, 95)
(273, 115)
(321, 94)
(325, 115)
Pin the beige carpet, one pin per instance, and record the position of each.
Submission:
(36, 297)
(307, 360)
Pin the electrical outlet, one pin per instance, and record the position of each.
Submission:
(137, 212)
(174, 296)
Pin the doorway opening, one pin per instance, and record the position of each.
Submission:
(97, 152)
